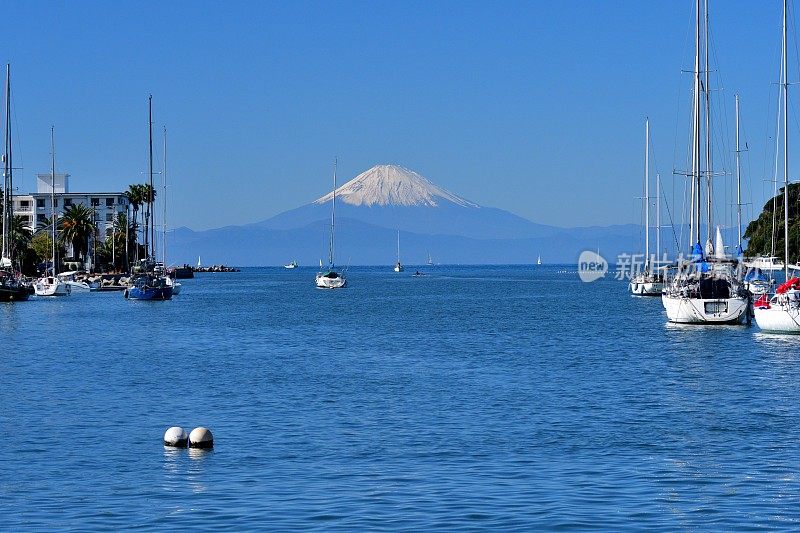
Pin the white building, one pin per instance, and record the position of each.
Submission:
(35, 207)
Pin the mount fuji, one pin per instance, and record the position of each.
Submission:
(377, 203)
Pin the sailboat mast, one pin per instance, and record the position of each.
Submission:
(658, 218)
(695, 204)
(398, 246)
(53, 193)
(785, 85)
(709, 164)
(738, 182)
(333, 212)
(151, 193)
(646, 193)
(6, 167)
(164, 201)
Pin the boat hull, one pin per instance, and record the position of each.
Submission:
(148, 293)
(778, 319)
(59, 288)
(15, 294)
(325, 282)
(682, 310)
(646, 288)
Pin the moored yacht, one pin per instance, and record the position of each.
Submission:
(781, 312)
(330, 278)
(648, 282)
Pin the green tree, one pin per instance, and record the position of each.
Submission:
(761, 232)
(42, 246)
(77, 224)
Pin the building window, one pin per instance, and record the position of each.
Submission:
(109, 231)
(95, 202)
(109, 202)
(41, 219)
(24, 203)
(55, 202)
(109, 217)
(40, 203)
(67, 202)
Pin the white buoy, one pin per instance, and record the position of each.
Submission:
(176, 436)
(201, 438)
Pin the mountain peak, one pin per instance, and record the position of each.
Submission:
(393, 185)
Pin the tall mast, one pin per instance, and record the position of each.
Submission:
(7, 167)
(333, 212)
(658, 218)
(785, 85)
(164, 201)
(695, 206)
(738, 182)
(151, 252)
(398, 246)
(709, 166)
(646, 193)
(53, 193)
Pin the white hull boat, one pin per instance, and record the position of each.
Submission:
(646, 286)
(291, 265)
(684, 310)
(75, 285)
(781, 314)
(51, 286)
(330, 280)
(176, 285)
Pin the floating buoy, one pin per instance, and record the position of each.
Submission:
(176, 436)
(201, 438)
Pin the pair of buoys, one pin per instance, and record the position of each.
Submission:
(177, 437)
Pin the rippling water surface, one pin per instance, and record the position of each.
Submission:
(473, 397)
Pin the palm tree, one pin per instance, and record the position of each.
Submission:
(135, 195)
(20, 235)
(148, 197)
(77, 224)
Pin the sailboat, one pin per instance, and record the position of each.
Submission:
(12, 287)
(781, 312)
(398, 267)
(539, 260)
(50, 284)
(430, 261)
(705, 288)
(291, 265)
(648, 282)
(330, 278)
(149, 281)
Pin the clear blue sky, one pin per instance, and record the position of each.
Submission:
(534, 107)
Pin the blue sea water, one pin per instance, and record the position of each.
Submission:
(507, 398)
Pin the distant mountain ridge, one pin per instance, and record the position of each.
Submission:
(377, 203)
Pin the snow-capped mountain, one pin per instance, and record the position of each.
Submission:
(373, 206)
(393, 185)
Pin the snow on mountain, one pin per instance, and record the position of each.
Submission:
(393, 185)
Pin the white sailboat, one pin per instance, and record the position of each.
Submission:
(705, 288)
(781, 312)
(539, 260)
(649, 282)
(50, 284)
(291, 265)
(398, 267)
(330, 278)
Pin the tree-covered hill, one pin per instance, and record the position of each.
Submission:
(760, 231)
